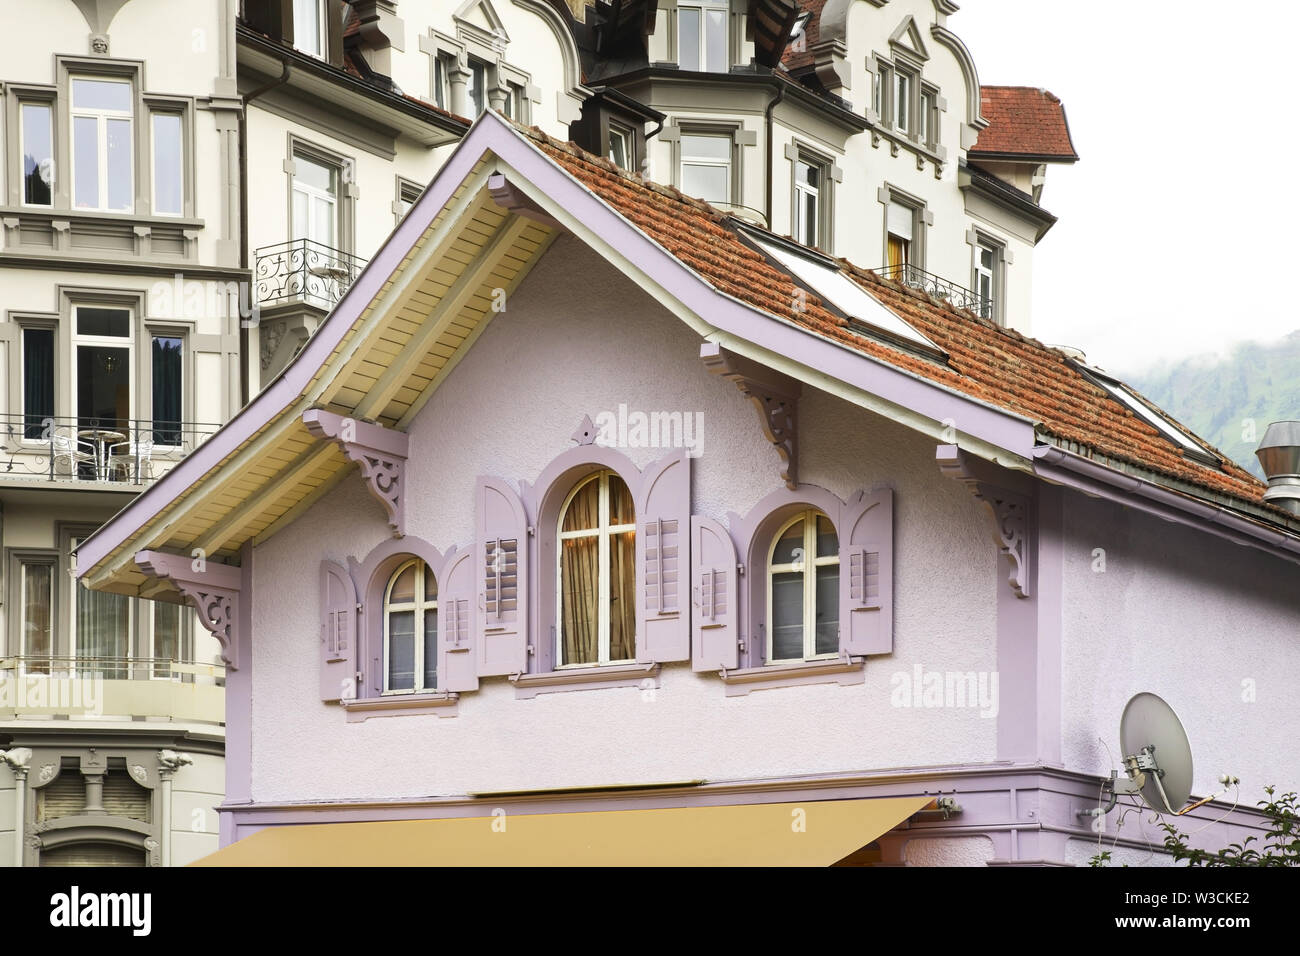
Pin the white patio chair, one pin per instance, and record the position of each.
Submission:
(71, 450)
(125, 456)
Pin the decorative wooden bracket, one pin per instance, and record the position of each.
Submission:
(211, 588)
(775, 396)
(381, 453)
(1010, 511)
(508, 196)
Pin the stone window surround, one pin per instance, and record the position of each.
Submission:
(472, 42)
(882, 125)
(922, 219)
(349, 190)
(404, 191)
(740, 137)
(976, 237)
(736, 26)
(795, 151)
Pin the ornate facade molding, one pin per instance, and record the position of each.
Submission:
(212, 589)
(1009, 509)
(381, 452)
(774, 396)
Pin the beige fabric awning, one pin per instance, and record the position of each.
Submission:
(811, 833)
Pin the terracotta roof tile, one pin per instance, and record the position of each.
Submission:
(1023, 121)
(797, 61)
(987, 362)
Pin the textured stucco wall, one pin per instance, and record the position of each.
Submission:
(950, 851)
(557, 353)
(1192, 618)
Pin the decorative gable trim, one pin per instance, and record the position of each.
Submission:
(1009, 509)
(774, 396)
(381, 452)
(212, 589)
(908, 38)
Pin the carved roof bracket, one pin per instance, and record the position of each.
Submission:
(212, 589)
(1010, 509)
(774, 396)
(381, 452)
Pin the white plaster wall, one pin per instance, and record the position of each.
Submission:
(1080, 852)
(949, 851)
(1193, 619)
(509, 407)
(197, 790)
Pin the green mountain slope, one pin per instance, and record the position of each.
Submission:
(1220, 399)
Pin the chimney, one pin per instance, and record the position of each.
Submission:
(1279, 454)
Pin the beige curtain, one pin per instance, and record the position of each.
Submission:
(622, 596)
(580, 578)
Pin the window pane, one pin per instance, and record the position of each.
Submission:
(313, 174)
(101, 95)
(787, 616)
(688, 39)
(477, 84)
(167, 175)
(401, 650)
(85, 161)
(430, 585)
(306, 26)
(38, 155)
(618, 149)
(715, 39)
(322, 221)
(695, 146)
(103, 630)
(808, 218)
(441, 93)
(622, 596)
(120, 169)
(902, 101)
(38, 380)
(166, 637)
(37, 639)
(579, 597)
(789, 548)
(828, 542)
(986, 258)
(828, 609)
(300, 224)
(705, 182)
(403, 589)
(92, 321)
(583, 513)
(430, 648)
(166, 389)
(621, 509)
(103, 387)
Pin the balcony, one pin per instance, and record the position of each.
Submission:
(111, 688)
(125, 453)
(303, 270)
(959, 297)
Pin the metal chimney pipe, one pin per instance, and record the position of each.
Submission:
(1279, 455)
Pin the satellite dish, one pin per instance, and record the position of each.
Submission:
(1157, 756)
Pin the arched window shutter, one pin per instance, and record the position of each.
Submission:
(457, 669)
(501, 559)
(338, 633)
(715, 633)
(866, 533)
(663, 516)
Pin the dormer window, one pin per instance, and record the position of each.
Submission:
(309, 27)
(620, 146)
(702, 35)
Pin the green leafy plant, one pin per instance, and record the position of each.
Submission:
(1281, 845)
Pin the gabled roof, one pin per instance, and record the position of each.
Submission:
(1025, 123)
(488, 216)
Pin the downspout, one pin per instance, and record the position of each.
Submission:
(243, 219)
(767, 120)
(645, 160)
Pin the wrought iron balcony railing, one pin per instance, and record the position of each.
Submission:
(958, 296)
(128, 451)
(302, 270)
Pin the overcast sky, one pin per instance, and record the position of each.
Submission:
(1178, 226)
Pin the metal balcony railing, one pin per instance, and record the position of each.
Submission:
(85, 667)
(130, 451)
(303, 270)
(959, 297)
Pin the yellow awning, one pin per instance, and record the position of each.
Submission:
(811, 833)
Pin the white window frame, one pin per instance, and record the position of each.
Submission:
(298, 185)
(702, 53)
(809, 571)
(605, 531)
(441, 81)
(419, 605)
(684, 160)
(629, 146)
(179, 116)
(49, 107)
(803, 191)
(51, 563)
(106, 341)
(322, 30)
(101, 117)
(989, 274)
(481, 68)
(901, 108)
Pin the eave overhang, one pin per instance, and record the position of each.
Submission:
(1007, 197)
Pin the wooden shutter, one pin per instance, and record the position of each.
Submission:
(338, 633)
(866, 534)
(715, 629)
(457, 669)
(501, 559)
(663, 516)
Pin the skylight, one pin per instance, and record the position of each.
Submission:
(832, 285)
(1129, 399)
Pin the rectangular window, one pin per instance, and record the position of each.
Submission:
(315, 200)
(900, 227)
(407, 194)
(986, 262)
(167, 362)
(807, 201)
(477, 87)
(441, 82)
(514, 105)
(38, 154)
(902, 101)
(168, 171)
(706, 166)
(101, 144)
(36, 627)
(169, 640)
(102, 381)
(702, 35)
(620, 147)
(309, 26)
(38, 381)
(925, 127)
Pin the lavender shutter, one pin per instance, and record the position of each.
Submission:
(338, 633)
(663, 514)
(457, 669)
(714, 629)
(501, 559)
(867, 574)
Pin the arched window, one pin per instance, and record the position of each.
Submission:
(803, 592)
(597, 573)
(411, 629)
